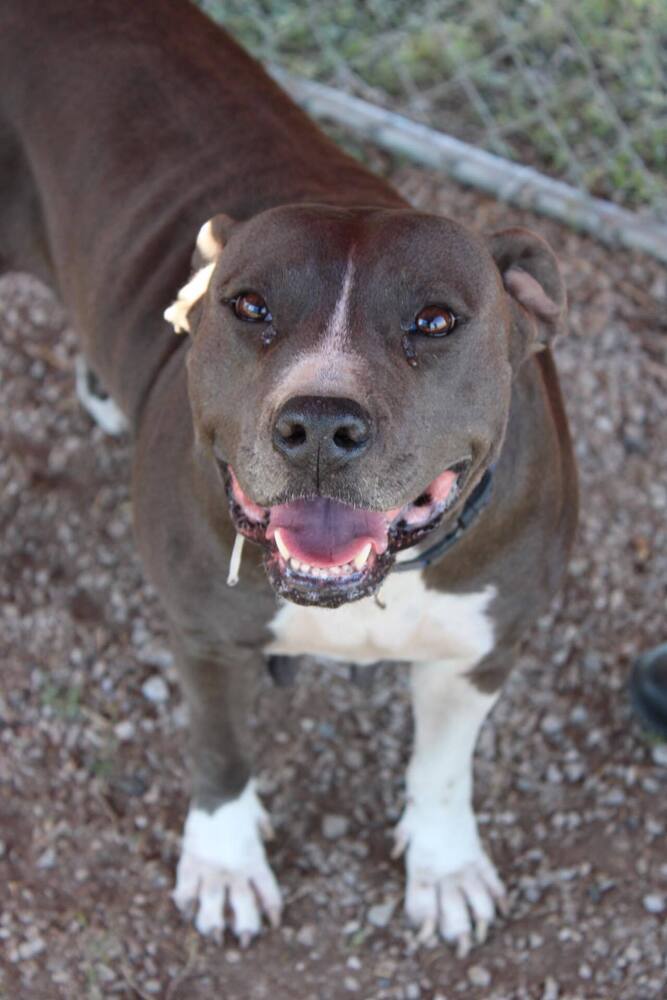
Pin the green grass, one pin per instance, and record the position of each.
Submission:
(577, 88)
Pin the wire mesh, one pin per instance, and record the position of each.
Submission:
(575, 88)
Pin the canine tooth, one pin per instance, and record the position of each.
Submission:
(293, 563)
(361, 560)
(280, 545)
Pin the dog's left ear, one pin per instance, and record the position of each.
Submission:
(184, 311)
(534, 285)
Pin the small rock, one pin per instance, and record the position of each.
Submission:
(306, 936)
(29, 949)
(654, 903)
(554, 775)
(155, 689)
(47, 859)
(479, 976)
(125, 730)
(381, 914)
(551, 725)
(659, 754)
(579, 715)
(551, 989)
(334, 827)
(413, 991)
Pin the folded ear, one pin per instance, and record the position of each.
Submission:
(534, 285)
(211, 239)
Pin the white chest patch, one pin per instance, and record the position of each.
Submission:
(415, 625)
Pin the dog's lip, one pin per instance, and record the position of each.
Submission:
(308, 570)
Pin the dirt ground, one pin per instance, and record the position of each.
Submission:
(93, 786)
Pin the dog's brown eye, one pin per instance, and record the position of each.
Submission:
(435, 321)
(251, 307)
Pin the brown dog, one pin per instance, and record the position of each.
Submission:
(363, 391)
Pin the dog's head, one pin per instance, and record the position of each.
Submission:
(350, 372)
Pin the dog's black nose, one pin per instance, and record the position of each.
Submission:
(325, 429)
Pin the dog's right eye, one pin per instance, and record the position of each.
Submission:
(251, 307)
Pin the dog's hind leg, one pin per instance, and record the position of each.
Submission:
(452, 886)
(96, 401)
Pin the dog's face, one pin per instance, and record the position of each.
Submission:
(350, 372)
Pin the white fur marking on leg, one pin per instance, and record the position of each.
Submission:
(452, 885)
(223, 858)
(104, 412)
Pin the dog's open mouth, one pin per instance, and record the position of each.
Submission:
(323, 552)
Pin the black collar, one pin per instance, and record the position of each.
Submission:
(474, 506)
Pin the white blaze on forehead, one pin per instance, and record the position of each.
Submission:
(332, 367)
(338, 327)
(177, 313)
(321, 373)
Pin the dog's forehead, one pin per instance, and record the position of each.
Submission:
(377, 239)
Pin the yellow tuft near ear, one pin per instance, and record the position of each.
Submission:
(207, 249)
(207, 245)
(188, 296)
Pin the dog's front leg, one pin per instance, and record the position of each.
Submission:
(452, 886)
(223, 867)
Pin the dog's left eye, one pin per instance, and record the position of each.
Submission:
(251, 307)
(435, 321)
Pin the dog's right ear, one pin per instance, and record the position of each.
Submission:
(183, 312)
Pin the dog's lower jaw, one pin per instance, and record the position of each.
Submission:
(223, 865)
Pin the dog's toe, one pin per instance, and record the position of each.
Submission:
(459, 905)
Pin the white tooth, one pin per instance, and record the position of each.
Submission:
(282, 548)
(305, 568)
(361, 560)
(293, 563)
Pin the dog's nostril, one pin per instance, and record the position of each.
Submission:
(296, 436)
(350, 437)
(290, 433)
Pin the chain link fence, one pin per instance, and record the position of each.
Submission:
(574, 88)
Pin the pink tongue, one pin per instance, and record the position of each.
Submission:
(326, 533)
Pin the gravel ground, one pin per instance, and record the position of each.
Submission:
(572, 798)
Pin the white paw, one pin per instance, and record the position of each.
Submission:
(102, 409)
(223, 871)
(452, 887)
